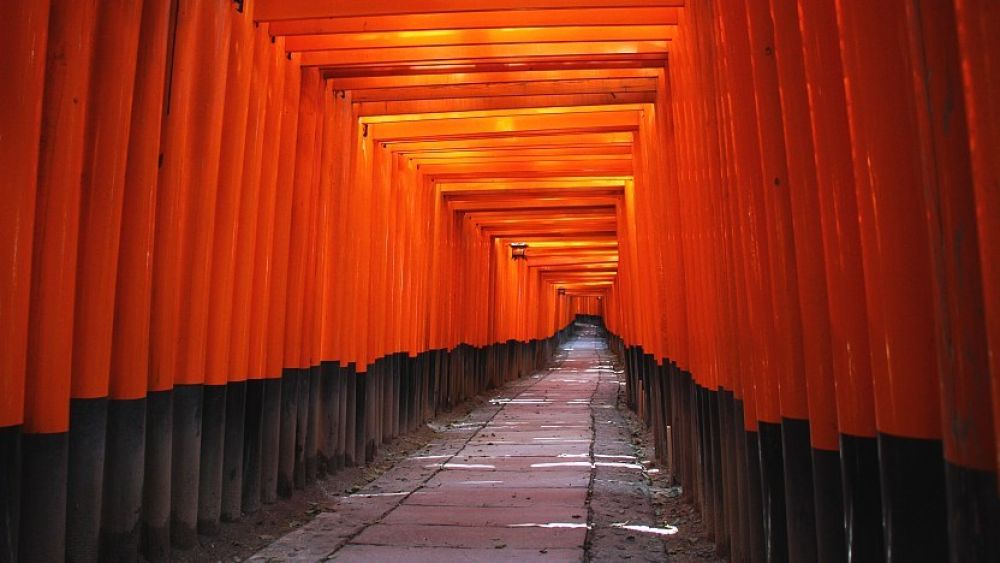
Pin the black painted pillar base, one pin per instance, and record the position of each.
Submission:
(418, 368)
(252, 444)
(123, 479)
(350, 417)
(156, 489)
(186, 466)
(741, 538)
(369, 382)
(289, 419)
(360, 426)
(914, 511)
(772, 476)
(862, 498)
(799, 506)
(328, 435)
(828, 495)
(10, 491)
(232, 462)
(374, 398)
(301, 427)
(401, 393)
(312, 423)
(973, 514)
(716, 472)
(700, 439)
(88, 425)
(755, 501)
(269, 440)
(45, 459)
(730, 481)
(213, 442)
(340, 461)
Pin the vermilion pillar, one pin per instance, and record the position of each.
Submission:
(276, 356)
(20, 119)
(960, 323)
(816, 533)
(129, 362)
(217, 371)
(50, 341)
(116, 40)
(845, 285)
(239, 345)
(263, 393)
(891, 172)
(200, 169)
(169, 271)
(789, 366)
(981, 79)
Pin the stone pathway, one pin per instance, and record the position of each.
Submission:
(546, 471)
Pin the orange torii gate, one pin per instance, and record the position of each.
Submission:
(244, 243)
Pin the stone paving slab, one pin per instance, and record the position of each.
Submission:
(484, 516)
(511, 463)
(574, 497)
(495, 479)
(530, 450)
(555, 435)
(368, 553)
(472, 537)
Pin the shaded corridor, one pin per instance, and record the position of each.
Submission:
(245, 243)
(545, 471)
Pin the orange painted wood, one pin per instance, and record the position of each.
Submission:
(130, 347)
(885, 135)
(302, 9)
(525, 78)
(817, 372)
(478, 19)
(263, 261)
(981, 79)
(229, 192)
(790, 367)
(442, 55)
(556, 93)
(307, 147)
(57, 217)
(103, 185)
(330, 181)
(460, 38)
(342, 129)
(839, 220)
(249, 213)
(25, 47)
(966, 410)
(173, 194)
(285, 187)
(204, 146)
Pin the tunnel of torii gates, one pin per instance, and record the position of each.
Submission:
(244, 243)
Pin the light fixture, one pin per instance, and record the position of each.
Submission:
(517, 250)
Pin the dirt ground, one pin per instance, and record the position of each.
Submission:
(239, 540)
(691, 542)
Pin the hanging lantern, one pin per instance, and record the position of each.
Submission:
(517, 250)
